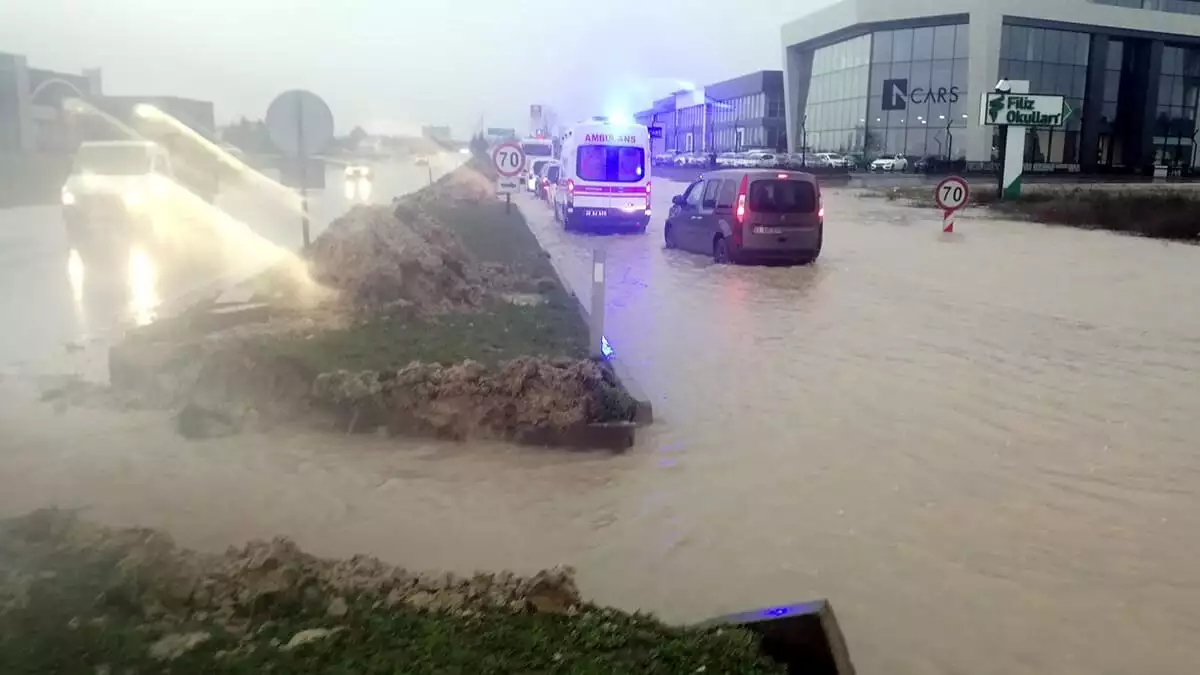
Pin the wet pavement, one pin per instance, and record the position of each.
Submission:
(980, 448)
(60, 312)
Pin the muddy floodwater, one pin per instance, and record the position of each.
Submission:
(983, 449)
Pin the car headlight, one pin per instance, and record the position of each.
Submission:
(68, 198)
(133, 199)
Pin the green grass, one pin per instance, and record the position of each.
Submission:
(1148, 212)
(497, 333)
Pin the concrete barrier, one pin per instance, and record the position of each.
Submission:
(804, 637)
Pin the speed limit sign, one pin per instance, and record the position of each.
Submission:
(509, 159)
(951, 195)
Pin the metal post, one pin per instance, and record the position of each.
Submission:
(949, 141)
(430, 168)
(596, 319)
(507, 202)
(303, 159)
(1003, 147)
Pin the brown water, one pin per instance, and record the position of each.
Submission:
(978, 448)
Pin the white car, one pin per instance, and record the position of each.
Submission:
(890, 163)
(834, 160)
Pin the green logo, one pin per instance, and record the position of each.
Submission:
(995, 105)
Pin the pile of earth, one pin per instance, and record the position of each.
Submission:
(76, 597)
(380, 257)
(174, 584)
(515, 400)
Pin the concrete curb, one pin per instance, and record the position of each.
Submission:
(644, 413)
(804, 637)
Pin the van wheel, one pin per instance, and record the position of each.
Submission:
(669, 237)
(568, 222)
(720, 250)
(557, 215)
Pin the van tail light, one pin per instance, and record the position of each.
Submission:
(570, 187)
(740, 211)
(647, 195)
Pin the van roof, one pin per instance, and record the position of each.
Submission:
(759, 173)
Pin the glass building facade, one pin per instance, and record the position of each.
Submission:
(1054, 62)
(899, 91)
(1174, 136)
(1178, 6)
(837, 97)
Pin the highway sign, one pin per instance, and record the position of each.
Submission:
(507, 185)
(509, 159)
(952, 193)
(1023, 110)
(299, 123)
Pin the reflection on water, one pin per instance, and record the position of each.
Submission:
(358, 189)
(143, 287)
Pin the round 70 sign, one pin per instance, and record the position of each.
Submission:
(509, 159)
(951, 195)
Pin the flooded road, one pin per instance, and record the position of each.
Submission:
(982, 448)
(979, 449)
(59, 310)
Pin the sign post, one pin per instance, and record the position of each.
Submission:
(951, 194)
(301, 125)
(509, 161)
(1014, 111)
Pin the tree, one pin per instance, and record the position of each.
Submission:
(479, 145)
(251, 136)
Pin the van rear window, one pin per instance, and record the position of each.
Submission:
(537, 167)
(611, 163)
(782, 196)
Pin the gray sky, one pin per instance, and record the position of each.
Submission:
(392, 65)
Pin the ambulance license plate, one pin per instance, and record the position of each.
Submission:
(595, 213)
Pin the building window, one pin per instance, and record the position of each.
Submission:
(1178, 6)
(917, 93)
(1175, 114)
(1054, 62)
(834, 118)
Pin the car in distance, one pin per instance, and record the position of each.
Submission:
(742, 215)
(547, 176)
(890, 163)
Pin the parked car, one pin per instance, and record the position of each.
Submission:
(805, 160)
(738, 215)
(834, 160)
(926, 163)
(691, 159)
(890, 163)
(768, 160)
(535, 169)
(727, 159)
(546, 177)
(666, 158)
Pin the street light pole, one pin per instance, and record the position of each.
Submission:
(804, 142)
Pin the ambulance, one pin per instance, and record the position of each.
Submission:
(605, 176)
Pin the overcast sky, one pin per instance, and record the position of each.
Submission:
(392, 65)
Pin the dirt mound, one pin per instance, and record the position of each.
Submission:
(175, 584)
(470, 400)
(382, 256)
